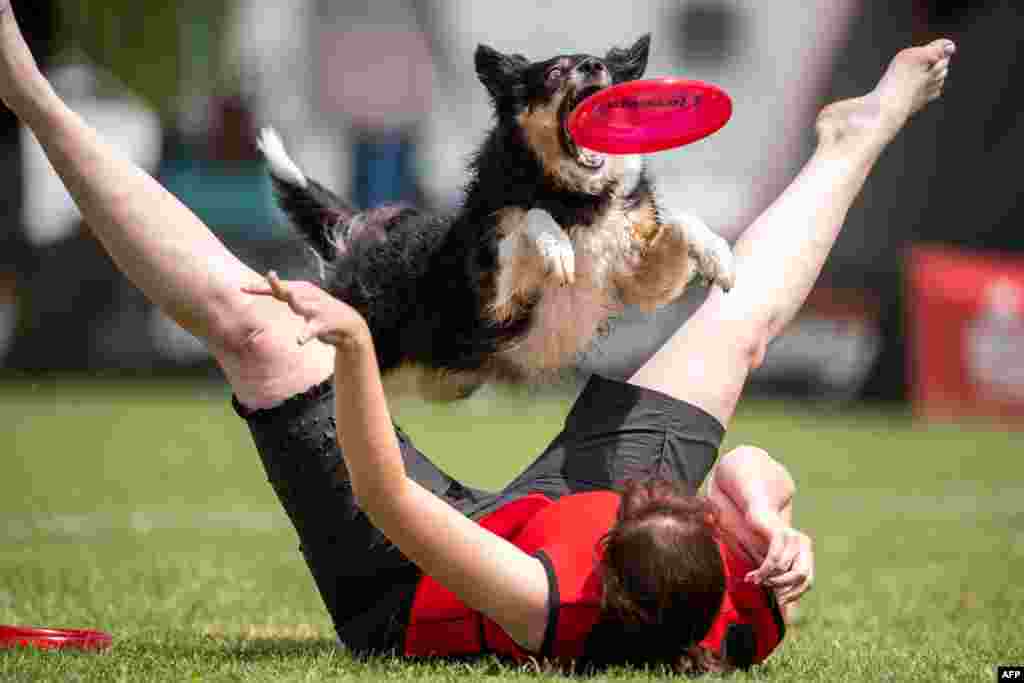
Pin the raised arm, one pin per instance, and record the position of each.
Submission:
(754, 494)
(487, 572)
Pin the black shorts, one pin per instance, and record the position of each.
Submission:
(614, 432)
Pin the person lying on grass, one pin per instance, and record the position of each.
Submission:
(599, 552)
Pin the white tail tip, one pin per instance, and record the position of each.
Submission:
(281, 165)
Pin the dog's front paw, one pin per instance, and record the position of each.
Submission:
(710, 251)
(715, 262)
(553, 245)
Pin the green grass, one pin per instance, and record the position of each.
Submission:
(140, 508)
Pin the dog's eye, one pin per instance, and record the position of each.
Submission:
(554, 74)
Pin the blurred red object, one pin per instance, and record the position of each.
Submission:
(966, 326)
(377, 78)
(53, 638)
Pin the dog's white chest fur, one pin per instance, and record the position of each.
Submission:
(570, 281)
(576, 279)
(566, 319)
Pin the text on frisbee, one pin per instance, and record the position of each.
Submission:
(650, 115)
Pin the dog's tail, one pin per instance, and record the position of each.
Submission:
(319, 214)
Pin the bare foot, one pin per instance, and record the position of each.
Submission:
(914, 78)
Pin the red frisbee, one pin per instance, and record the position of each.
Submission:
(651, 115)
(53, 638)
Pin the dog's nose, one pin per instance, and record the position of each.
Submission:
(591, 67)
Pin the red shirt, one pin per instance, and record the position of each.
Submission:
(564, 535)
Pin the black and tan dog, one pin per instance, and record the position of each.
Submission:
(551, 240)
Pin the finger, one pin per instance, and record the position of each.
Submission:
(280, 289)
(767, 565)
(311, 331)
(767, 568)
(258, 288)
(287, 292)
(766, 573)
(786, 579)
(780, 558)
(784, 598)
(796, 590)
(790, 595)
(801, 566)
(569, 267)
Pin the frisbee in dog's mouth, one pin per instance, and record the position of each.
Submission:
(640, 117)
(587, 158)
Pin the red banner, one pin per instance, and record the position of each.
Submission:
(966, 334)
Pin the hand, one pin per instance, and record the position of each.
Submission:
(788, 567)
(328, 319)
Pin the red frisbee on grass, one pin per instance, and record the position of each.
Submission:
(53, 638)
(639, 117)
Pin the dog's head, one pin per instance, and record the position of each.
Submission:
(538, 97)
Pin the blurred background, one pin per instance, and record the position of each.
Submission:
(921, 303)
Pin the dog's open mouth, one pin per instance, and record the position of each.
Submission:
(583, 156)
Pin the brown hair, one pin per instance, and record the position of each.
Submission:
(663, 579)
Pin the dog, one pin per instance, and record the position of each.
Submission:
(551, 241)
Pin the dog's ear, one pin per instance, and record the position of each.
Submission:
(501, 74)
(630, 63)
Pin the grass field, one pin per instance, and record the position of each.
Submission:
(140, 508)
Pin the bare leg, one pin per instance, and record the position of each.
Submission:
(160, 245)
(779, 257)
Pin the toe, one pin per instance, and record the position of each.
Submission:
(727, 275)
(941, 49)
(726, 281)
(568, 274)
